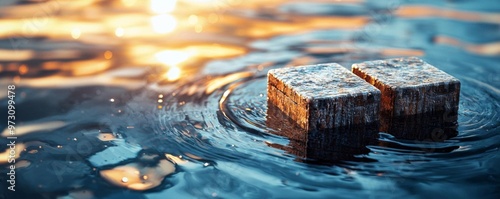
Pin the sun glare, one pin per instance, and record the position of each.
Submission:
(172, 57)
(164, 23)
(162, 6)
(173, 73)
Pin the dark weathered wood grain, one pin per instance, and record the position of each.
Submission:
(323, 96)
(410, 86)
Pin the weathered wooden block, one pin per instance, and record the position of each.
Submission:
(325, 145)
(410, 86)
(432, 127)
(323, 96)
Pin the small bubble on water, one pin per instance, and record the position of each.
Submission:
(59, 146)
(112, 100)
(75, 139)
(124, 179)
(206, 164)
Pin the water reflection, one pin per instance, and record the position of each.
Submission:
(163, 23)
(98, 82)
(162, 6)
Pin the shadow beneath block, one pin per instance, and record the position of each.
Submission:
(434, 127)
(322, 146)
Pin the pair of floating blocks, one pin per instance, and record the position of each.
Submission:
(328, 95)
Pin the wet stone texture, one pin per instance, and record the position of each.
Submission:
(410, 86)
(323, 96)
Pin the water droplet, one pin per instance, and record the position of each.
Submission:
(112, 100)
(206, 164)
(145, 177)
(124, 179)
(75, 139)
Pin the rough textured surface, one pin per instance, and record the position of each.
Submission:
(323, 96)
(410, 86)
(433, 127)
(325, 145)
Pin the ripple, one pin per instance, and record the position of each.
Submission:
(478, 122)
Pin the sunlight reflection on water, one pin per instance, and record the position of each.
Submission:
(170, 97)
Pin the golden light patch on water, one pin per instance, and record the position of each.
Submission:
(174, 73)
(119, 32)
(129, 3)
(108, 54)
(106, 136)
(76, 33)
(164, 23)
(217, 83)
(16, 55)
(9, 154)
(162, 6)
(489, 49)
(174, 57)
(80, 68)
(176, 159)
(137, 177)
(261, 28)
(23, 129)
(429, 11)
(179, 57)
(193, 19)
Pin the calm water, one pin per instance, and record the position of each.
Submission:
(167, 99)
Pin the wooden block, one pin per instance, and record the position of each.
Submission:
(323, 96)
(322, 145)
(410, 86)
(431, 127)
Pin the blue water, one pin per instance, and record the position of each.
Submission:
(213, 120)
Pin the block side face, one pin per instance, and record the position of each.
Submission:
(276, 77)
(403, 72)
(297, 112)
(386, 94)
(355, 108)
(426, 99)
(410, 86)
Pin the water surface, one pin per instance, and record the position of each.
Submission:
(167, 99)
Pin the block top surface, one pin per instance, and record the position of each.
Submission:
(322, 81)
(404, 72)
